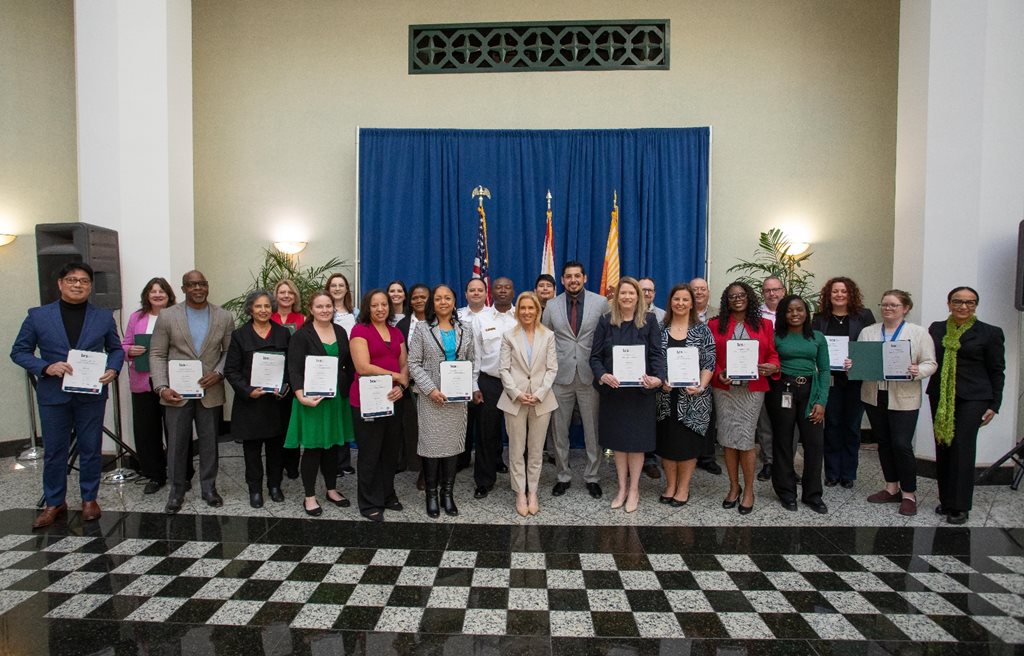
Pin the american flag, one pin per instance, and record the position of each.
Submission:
(481, 261)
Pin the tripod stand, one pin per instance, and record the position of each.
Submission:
(1017, 455)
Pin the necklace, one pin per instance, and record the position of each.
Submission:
(840, 320)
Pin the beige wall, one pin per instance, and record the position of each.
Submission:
(801, 96)
(38, 171)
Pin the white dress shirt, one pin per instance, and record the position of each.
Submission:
(488, 327)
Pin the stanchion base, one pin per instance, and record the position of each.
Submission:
(31, 453)
(119, 476)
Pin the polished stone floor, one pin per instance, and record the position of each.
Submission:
(576, 579)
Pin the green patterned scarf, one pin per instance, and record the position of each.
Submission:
(944, 420)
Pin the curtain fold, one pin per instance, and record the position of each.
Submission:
(418, 220)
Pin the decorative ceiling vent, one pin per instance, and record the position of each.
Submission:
(520, 47)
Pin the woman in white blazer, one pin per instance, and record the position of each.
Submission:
(892, 406)
(527, 365)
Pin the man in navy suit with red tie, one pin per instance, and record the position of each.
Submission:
(54, 329)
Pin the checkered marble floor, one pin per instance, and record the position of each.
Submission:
(140, 583)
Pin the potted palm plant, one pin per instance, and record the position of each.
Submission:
(278, 266)
(774, 256)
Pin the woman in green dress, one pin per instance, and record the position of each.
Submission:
(319, 424)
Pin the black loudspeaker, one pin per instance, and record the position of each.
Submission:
(1018, 296)
(58, 244)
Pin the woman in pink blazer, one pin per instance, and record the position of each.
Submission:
(527, 365)
(147, 413)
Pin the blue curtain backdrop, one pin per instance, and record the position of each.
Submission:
(418, 221)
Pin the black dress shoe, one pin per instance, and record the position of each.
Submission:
(831, 482)
(213, 499)
(153, 487)
(847, 484)
(595, 490)
(940, 510)
(789, 505)
(710, 466)
(173, 506)
(393, 504)
(276, 495)
(256, 499)
(560, 488)
(481, 492)
(315, 512)
(765, 473)
(817, 506)
(502, 468)
(958, 516)
(676, 503)
(374, 516)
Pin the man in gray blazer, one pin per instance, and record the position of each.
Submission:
(193, 330)
(573, 316)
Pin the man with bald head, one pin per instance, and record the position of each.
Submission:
(193, 330)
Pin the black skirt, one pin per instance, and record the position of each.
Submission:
(676, 441)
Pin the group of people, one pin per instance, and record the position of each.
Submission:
(536, 358)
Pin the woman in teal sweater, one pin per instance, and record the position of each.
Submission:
(797, 400)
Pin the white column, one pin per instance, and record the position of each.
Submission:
(960, 175)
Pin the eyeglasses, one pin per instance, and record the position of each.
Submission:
(736, 297)
(773, 290)
(71, 280)
(959, 302)
(648, 291)
(197, 283)
(890, 306)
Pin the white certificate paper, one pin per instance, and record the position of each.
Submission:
(896, 360)
(741, 359)
(321, 376)
(683, 366)
(838, 352)
(457, 380)
(183, 377)
(373, 397)
(267, 371)
(87, 367)
(629, 364)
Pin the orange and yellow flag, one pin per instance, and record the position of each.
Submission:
(610, 272)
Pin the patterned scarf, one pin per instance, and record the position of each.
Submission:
(944, 419)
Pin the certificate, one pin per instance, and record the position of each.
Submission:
(629, 364)
(838, 352)
(321, 376)
(87, 367)
(142, 361)
(741, 359)
(183, 377)
(267, 371)
(373, 396)
(896, 360)
(457, 380)
(683, 366)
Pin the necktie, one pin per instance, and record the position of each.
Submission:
(573, 319)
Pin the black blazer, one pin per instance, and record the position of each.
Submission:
(305, 342)
(607, 336)
(403, 325)
(268, 415)
(857, 322)
(980, 363)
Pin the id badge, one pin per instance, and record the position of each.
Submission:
(787, 400)
(831, 380)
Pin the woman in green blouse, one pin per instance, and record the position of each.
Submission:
(797, 399)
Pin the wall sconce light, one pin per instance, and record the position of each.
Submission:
(796, 249)
(7, 239)
(290, 247)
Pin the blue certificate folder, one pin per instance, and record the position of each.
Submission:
(867, 361)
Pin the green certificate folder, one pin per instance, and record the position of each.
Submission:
(142, 361)
(867, 361)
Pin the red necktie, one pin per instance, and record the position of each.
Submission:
(573, 319)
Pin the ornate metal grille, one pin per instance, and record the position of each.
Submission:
(518, 47)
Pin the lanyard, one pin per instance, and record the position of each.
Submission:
(896, 334)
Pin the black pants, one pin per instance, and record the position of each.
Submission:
(954, 464)
(379, 443)
(472, 434)
(842, 431)
(148, 425)
(291, 459)
(252, 451)
(323, 460)
(408, 459)
(784, 421)
(489, 440)
(894, 432)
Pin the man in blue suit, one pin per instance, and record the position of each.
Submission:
(54, 329)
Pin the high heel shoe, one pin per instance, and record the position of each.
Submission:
(632, 502)
(745, 510)
(729, 505)
(617, 502)
(521, 505)
(534, 504)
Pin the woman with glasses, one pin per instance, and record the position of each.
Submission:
(892, 406)
(738, 402)
(842, 314)
(965, 396)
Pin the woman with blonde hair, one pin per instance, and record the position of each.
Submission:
(527, 365)
(287, 305)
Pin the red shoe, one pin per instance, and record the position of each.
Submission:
(908, 507)
(49, 515)
(883, 496)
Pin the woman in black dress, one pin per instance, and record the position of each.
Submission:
(965, 395)
(627, 413)
(684, 413)
(259, 418)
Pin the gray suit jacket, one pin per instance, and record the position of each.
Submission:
(574, 350)
(172, 340)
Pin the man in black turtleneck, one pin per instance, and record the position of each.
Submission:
(54, 329)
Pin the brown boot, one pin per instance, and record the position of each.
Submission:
(49, 515)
